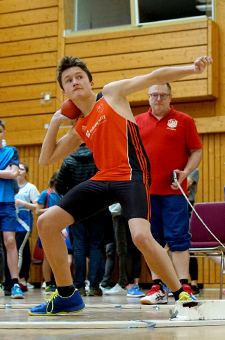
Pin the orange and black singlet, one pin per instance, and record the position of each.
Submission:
(116, 145)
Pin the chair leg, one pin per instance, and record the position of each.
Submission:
(221, 275)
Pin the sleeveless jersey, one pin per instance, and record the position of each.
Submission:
(116, 144)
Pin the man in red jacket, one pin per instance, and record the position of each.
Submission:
(172, 143)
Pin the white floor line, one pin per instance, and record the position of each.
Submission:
(94, 306)
(108, 324)
(74, 324)
(186, 323)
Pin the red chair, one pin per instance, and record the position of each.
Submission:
(202, 242)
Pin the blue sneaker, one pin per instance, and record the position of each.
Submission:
(16, 292)
(134, 292)
(57, 304)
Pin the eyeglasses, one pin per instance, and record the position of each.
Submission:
(162, 96)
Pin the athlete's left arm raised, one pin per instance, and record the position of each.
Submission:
(157, 77)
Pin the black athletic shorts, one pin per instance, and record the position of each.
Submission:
(90, 197)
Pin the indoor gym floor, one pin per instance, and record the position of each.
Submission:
(112, 317)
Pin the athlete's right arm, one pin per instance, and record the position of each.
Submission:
(52, 151)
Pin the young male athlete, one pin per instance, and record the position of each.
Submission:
(108, 128)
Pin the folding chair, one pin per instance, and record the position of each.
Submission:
(202, 242)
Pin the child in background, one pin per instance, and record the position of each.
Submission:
(26, 203)
(47, 199)
(9, 169)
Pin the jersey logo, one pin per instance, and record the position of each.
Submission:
(83, 127)
(89, 133)
(172, 124)
(100, 107)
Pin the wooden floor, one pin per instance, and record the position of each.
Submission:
(113, 317)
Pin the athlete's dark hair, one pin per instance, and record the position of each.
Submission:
(67, 62)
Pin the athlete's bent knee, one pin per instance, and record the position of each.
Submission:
(140, 240)
(42, 225)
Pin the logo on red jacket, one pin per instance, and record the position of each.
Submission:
(172, 124)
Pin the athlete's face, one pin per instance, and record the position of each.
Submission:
(159, 99)
(76, 83)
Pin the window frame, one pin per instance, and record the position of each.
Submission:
(135, 24)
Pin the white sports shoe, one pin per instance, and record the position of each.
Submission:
(155, 296)
(30, 286)
(1, 290)
(116, 290)
(104, 289)
(87, 286)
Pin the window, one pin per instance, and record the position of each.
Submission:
(161, 10)
(92, 14)
(86, 15)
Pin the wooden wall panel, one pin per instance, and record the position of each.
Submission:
(29, 17)
(28, 62)
(213, 51)
(25, 108)
(28, 47)
(145, 30)
(22, 33)
(114, 56)
(8, 6)
(29, 44)
(103, 78)
(142, 59)
(10, 94)
(43, 75)
(134, 44)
